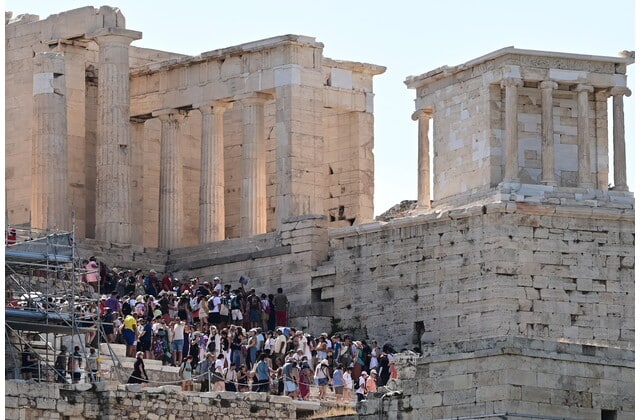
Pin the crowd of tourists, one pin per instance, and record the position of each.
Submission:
(225, 338)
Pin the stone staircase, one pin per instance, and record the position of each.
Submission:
(158, 374)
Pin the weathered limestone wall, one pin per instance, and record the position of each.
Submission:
(51, 401)
(518, 269)
(512, 375)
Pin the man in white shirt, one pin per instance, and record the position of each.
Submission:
(280, 346)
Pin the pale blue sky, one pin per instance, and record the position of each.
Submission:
(408, 37)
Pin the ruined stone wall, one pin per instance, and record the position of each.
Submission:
(51, 401)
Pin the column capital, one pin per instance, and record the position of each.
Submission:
(511, 81)
(422, 113)
(115, 35)
(581, 87)
(213, 107)
(548, 84)
(620, 90)
(253, 98)
(167, 114)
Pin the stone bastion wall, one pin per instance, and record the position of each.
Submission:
(32, 400)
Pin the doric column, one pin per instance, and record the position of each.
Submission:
(49, 182)
(137, 180)
(113, 195)
(424, 158)
(170, 221)
(511, 86)
(548, 152)
(253, 207)
(584, 146)
(619, 148)
(212, 214)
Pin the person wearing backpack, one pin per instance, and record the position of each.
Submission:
(254, 309)
(61, 365)
(236, 308)
(186, 374)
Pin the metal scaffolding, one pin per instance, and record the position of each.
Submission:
(44, 300)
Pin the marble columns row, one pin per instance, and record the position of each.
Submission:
(547, 87)
(253, 214)
(585, 179)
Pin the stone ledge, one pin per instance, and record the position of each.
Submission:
(529, 347)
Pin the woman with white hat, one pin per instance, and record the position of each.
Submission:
(322, 378)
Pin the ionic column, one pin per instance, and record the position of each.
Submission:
(170, 220)
(584, 148)
(113, 158)
(511, 86)
(253, 207)
(619, 148)
(49, 182)
(424, 158)
(548, 152)
(212, 216)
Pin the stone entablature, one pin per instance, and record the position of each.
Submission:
(520, 116)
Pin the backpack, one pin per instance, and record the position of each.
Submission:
(255, 302)
(235, 302)
(210, 305)
(194, 304)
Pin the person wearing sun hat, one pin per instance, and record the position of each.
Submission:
(361, 392)
(372, 381)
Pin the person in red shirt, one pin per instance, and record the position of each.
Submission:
(11, 237)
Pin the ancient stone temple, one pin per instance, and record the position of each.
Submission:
(520, 122)
(165, 150)
(512, 280)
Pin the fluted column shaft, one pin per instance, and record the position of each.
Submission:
(212, 215)
(49, 182)
(253, 207)
(511, 86)
(548, 152)
(584, 146)
(170, 220)
(113, 158)
(619, 148)
(424, 158)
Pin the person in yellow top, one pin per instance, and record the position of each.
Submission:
(129, 334)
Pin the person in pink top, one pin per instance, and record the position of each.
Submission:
(93, 273)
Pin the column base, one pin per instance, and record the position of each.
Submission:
(620, 188)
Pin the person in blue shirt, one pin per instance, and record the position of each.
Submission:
(263, 373)
(338, 383)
